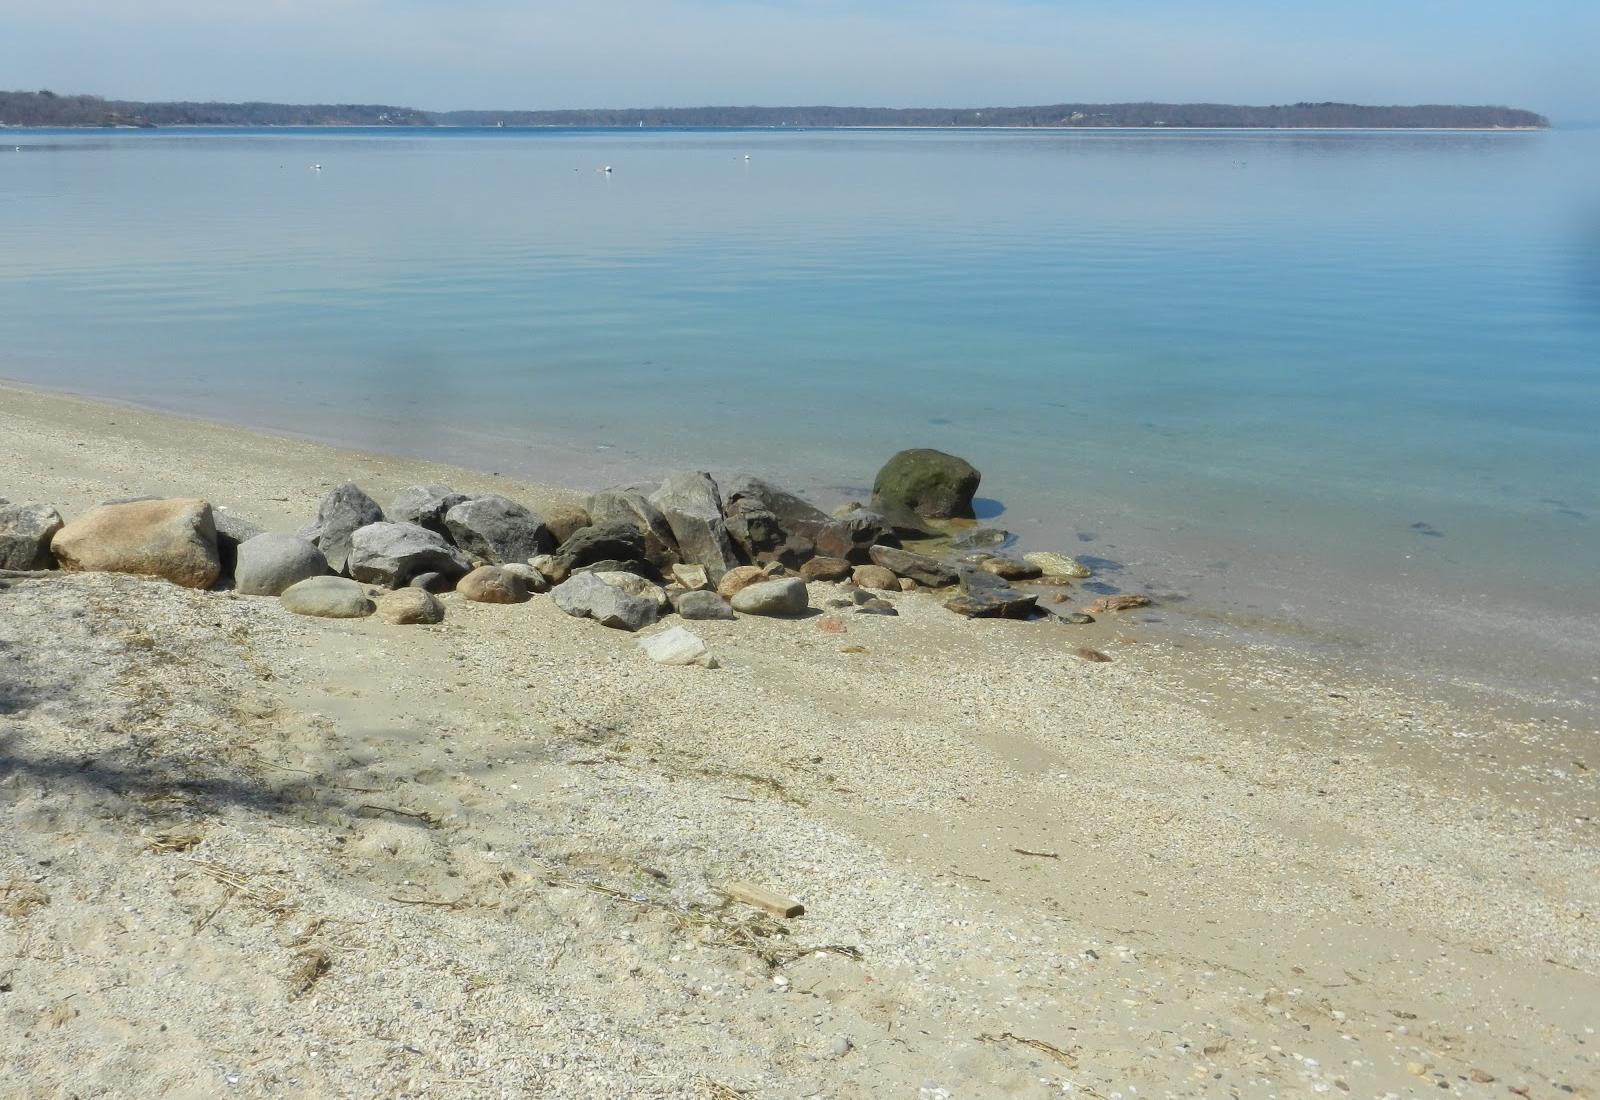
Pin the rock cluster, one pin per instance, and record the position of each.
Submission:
(633, 554)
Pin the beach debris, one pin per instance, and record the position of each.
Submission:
(410, 606)
(692, 505)
(304, 972)
(786, 596)
(269, 563)
(1010, 569)
(1125, 602)
(678, 646)
(927, 483)
(390, 554)
(919, 567)
(1040, 1045)
(175, 540)
(327, 598)
(703, 606)
(585, 595)
(1057, 565)
(425, 505)
(1094, 656)
(832, 624)
(496, 529)
(824, 568)
(493, 584)
(1039, 855)
(342, 511)
(25, 534)
(875, 576)
(760, 898)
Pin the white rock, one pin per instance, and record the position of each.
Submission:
(677, 646)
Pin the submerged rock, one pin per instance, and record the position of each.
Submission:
(343, 511)
(992, 539)
(786, 596)
(391, 554)
(270, 563)
(1126, 602)
(926, 483)
(585, 595)
(175, 540)
(1010, 569)
(1057, 565)
(496, 530)
(410, 607)
(25, 534)
(327, 598)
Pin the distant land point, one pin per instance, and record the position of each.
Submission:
(48, 109)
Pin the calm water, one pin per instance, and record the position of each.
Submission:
(1340, 385)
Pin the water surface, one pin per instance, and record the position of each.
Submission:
(1340, 385)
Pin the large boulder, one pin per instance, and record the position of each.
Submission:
(585, 595)
(565, 520)
(327, 598)
(493, 584)
(919, 567)
(629, 506)
(343, 511)
(770, 524)
(927, 483)
(498, 530)
(270, 563)
(786, 596)
(693, 507)
(602, 542)
(853, 535)
(25, 534)
(425, 506)
(172, 539)
(391, 554)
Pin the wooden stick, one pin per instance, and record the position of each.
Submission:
(776, 904)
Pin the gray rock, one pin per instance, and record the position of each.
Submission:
(432, 582)
(327, 598)
(269, 563)
(770, 524)
(25, 534)
(786, 596)
(693, 508)
(853, 535)
(410, 607)
(232, 530)
(629, 506)
(497, 530)
(919, 567)
(587, 596)
(635, 585)
(927, 483)
(342, 511)
(534, 579)
(603, 542)
(391, 554)
(425, 506)
(703, 605)
(986, 596)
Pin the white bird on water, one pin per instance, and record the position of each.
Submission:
(316, 167)
(606, 169)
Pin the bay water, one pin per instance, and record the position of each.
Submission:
(1336, 388)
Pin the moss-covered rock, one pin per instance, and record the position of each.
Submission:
(927, 483)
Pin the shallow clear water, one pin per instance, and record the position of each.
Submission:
(1344, 385)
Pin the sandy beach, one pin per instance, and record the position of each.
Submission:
(250, 853)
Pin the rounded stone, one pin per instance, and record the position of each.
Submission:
(492, 584)
(876, 576)
(270, 563)
(780, 597)
(328, 598)
(927, 483)
(409, 607)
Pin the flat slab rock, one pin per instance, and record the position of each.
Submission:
(677, 646)
(1000, 602)
(919, 567)
(327, 598)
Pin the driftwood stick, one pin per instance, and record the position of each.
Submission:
(776, 904)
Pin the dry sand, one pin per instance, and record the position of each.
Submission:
(252, 854)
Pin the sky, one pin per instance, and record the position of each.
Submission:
(645, 53)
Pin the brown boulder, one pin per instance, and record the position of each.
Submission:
(876, 576)
(825, 569)
(737, 578)
(175, 540)
(492, 584)
(565, 520)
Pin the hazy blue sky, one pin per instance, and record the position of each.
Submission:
(584, 53)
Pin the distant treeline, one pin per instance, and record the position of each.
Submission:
(49, 109)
